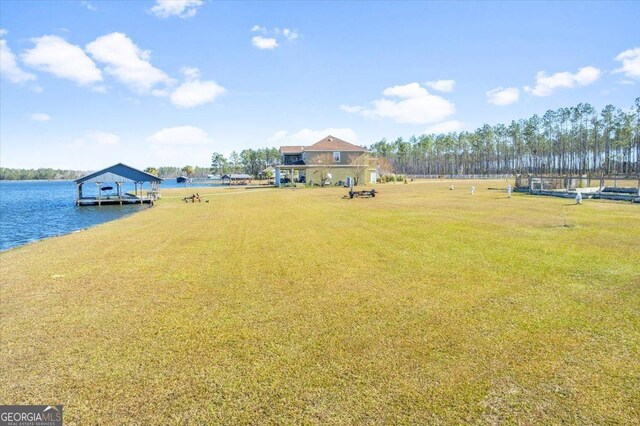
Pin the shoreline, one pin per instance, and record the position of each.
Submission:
(75, 231)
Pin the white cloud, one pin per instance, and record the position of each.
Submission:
(270, 38)
(547, 84)
(630, 63)
(9, 67)
(3, 32)
(127, 62)
(308, 136)
(290, 34)
(95, 140)
(89, 5)
(180, 135)
(191, 73)
(103, 139)
(264, 42)
(445, 127)
(411, 90)
(503, 96)
(441, 85)
(181, 145)
(414, 106)
(194, 93)
(586, 75)
(56, 56)
(180, 8)
(40, 116)
(277, 136)
(351, 109)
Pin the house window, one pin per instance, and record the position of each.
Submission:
(336, 157)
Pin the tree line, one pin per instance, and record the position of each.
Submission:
(249, 161)
(575, 140)
(39, 174)
(171, 172)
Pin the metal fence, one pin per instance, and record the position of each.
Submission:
(572, 183)
(505, 176)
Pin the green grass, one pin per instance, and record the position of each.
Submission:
(422, 305)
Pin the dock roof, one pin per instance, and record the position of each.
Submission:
(119, 173)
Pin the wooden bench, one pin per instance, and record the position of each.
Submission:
(364, 193)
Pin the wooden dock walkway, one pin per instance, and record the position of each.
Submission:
(114, 201)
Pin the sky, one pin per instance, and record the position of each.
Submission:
(86, 84)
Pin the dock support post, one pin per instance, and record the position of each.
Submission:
(98, 196)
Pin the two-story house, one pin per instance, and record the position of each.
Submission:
(331, 160)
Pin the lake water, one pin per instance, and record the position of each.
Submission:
(33, 210)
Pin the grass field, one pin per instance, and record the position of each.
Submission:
(421, 306)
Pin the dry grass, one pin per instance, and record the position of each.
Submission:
(422, 305)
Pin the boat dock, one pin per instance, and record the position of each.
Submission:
(114, 201)
(109, 189)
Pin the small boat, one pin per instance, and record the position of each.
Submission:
(106, 188)
(182, 179)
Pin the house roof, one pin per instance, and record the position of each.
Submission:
(331, 143)
(292, 149)
(119, 173)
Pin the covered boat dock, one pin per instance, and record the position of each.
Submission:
(118, 175)
(236, 179)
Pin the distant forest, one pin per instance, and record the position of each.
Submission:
(577, 140)
(250, 161)
(39, 174)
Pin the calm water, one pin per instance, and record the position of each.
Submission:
(33, 210)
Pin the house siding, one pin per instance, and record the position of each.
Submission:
(312, 175)
(346, 157)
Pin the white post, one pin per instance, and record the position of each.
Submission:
(278, 176)
(509, 191)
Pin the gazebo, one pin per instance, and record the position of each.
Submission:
(119, 175)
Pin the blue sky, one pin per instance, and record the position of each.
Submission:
(150, 83)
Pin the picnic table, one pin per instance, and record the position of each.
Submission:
(364, 193)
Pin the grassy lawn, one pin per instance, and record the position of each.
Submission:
(422, 305)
